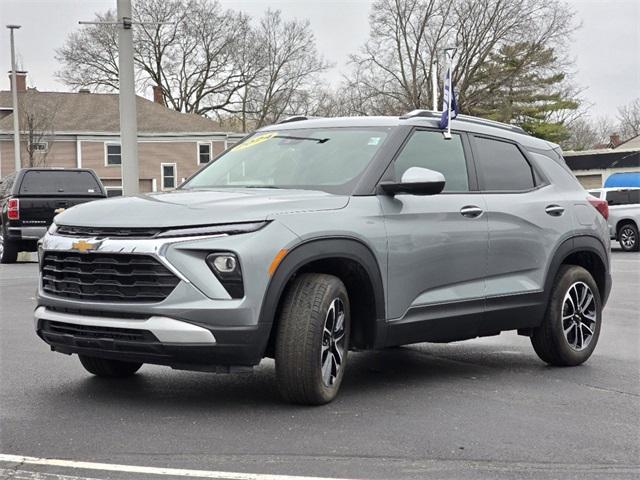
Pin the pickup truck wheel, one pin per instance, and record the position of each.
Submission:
(628, 237)
(103, 367)
(8, 250)
(571, 327)
(313, 339)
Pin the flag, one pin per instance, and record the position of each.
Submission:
(446, 115)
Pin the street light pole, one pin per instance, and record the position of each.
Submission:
(128, 120)
(14, 95)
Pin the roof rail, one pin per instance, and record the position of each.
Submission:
(421, 113)
(464, 118)
(294, 118)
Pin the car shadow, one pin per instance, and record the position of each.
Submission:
(372, 372)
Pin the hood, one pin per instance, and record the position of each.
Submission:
(198, 207)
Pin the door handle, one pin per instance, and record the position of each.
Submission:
(471, 211)
(554, 210)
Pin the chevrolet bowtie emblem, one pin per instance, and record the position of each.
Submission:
(83, 246)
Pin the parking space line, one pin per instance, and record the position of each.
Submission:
(176, 472)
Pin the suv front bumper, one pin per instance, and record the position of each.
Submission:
(198, 326)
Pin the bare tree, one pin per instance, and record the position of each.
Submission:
(286, 68)
(37, 119)
(392, 72)
(195, 58)
(583, 135)
(629, 117)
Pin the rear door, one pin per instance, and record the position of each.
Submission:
(437, 245)
(527, 220)
(45, 193)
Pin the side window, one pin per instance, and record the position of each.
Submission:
(618, 197)
(168, 171)
(634, 196)
(113, 154)
(594, 193)
(204, 153)
(430, 150)
(502, 166)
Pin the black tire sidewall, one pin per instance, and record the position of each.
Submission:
(565, 353)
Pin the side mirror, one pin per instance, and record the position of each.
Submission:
(416, 181)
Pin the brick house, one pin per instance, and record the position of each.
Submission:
(82, 130)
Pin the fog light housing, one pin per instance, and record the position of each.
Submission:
(226, 267)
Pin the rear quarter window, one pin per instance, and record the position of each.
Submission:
(502, 166)
(43, 182)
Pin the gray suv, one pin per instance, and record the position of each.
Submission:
(315, 237)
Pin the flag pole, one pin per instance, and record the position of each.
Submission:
(450, 62)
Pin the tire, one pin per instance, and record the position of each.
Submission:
(573, 348)
(303, 344)
(628, 237)
(102, 367)
(8, 250)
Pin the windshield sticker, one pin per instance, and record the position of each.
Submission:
(255, 140)
(374, 141)
(91, 190)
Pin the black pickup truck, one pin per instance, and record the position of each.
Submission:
(31, 197)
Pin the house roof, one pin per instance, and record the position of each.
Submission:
(633, 142)
(599, 159)
(99, 113)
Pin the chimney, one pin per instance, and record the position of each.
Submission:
(614, 140)
(157, 95)
(21, 81)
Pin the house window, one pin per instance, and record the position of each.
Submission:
(168, 174)
(113, 154)
(114, 191)
(41, 147)
(204, 153)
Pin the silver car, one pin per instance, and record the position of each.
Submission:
(624, 215)
(316, 237)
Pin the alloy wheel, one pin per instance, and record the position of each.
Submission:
(628, 237)
(1, 245)
(579, 316)
(333, 342)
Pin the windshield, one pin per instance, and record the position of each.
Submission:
(329, 159)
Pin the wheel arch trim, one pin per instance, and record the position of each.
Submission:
(318, 249)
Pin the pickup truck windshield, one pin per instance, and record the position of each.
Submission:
(59, 182)
(329, 159)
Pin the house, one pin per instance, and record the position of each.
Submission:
(593, 167)
(81, 129)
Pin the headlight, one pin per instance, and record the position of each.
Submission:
(228, 229)
(226, 267)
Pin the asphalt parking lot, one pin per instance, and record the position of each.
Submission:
(486, 408)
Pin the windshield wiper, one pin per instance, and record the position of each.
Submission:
(290, 137)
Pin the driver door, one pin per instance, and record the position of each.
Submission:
(438, 245)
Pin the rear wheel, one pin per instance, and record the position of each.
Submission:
(313, 339)
(628, 237)
(103, 367)
(571, 328)
(8, 250)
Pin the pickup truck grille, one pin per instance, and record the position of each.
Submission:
(107, 232)
(106, 277)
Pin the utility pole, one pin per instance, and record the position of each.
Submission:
(128, 120)
(127, 96)
(434, 84)
(14, 95)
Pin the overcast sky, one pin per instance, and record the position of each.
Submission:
(606, 48)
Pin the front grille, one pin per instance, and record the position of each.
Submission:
(107, 232)
(106, 277)
(87, 332)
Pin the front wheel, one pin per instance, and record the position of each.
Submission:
(103, 367)
(313, 339)
(571, 327)
(628, 237)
